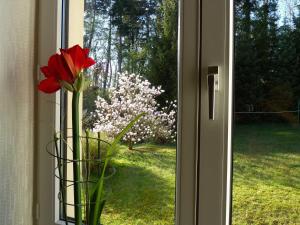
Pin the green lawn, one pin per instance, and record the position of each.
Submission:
(266, 180)
(266, 175)
(142, 192)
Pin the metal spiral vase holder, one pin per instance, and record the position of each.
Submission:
(93, 155)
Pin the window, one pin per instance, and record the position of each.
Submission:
(135, 46)
(186, 160)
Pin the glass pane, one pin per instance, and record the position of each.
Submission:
(266, 143)
(134, 43)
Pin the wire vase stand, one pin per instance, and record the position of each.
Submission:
(93, 155)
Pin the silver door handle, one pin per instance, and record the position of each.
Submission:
(213, 86)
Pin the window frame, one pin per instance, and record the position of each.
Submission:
(215, 151)
(51, 24)
(48, 114)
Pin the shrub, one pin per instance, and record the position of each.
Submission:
(133, 96)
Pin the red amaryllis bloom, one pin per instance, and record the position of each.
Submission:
(64, 69)
(77, 59)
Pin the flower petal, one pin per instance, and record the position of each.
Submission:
(47, 71)
(62, 71)
(86, 51)
(49, 85)
(68, 59)
(88, 62)
(66, 73)
(78, 57)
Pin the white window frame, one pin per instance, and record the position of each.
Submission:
(189, 207)
(48, 111)
(215, 151)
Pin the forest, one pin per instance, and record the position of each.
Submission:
(140, 36)
(267, 59)
(134, 36)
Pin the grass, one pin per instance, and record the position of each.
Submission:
(266, 180)
(142, 192)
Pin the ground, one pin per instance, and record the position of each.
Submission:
(266, 188)
(266, 180)
(142, 192)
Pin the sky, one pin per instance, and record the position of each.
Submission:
(286, 7)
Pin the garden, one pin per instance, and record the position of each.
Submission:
(266, 178)
(266, 169)
(266, 174)
(135, 46)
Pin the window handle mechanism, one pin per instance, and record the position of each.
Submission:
(213, 86)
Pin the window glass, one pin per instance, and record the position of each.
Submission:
(266, 153)
(135, 46)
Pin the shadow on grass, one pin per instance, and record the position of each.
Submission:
(145, 149)
(160, 158)
(266, 138)
(149, 147)
(263, 171)
(138, 193)
(267, 153)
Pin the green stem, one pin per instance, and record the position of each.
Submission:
(76, 157)
(99, 154)
(87, 164)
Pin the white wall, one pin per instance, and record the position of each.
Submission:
(17, 90)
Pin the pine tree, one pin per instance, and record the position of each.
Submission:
(266, 44)
(162, 68)
(245, 74)
(296, 41)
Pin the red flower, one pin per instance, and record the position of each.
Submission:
(64, 69)
(77, 59)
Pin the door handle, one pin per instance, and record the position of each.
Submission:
(213, 87)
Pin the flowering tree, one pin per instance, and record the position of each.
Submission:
(133, 96)
(165, 123)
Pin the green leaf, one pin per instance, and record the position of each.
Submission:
(98, 193)
(123, 132)
(101, 207)
(95, 213)
(100, 212)
(66, 85)
(79, 83)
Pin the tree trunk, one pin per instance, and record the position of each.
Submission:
(130, 145)
(108, 56)
(93, 26)
(120, 57)
(110, 76)
(91, 37)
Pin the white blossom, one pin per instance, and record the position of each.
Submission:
(134, 96)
